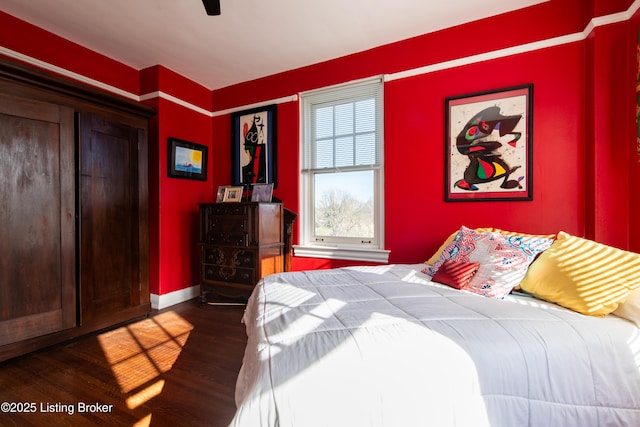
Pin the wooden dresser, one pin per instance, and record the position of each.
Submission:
(240, 243)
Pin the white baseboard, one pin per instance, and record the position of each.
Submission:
(158, 302)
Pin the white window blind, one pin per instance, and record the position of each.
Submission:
(345, 131)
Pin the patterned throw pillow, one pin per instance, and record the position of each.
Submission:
(503, 259)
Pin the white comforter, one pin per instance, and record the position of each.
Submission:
(384, 346)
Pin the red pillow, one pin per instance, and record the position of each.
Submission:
(455, 273)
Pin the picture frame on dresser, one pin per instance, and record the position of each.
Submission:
(262, 193)
(220, 193)
(232, 194)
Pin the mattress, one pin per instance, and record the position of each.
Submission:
(385, 346)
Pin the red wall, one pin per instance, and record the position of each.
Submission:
(634, 141)
(607, 210)
(418, 219)
(585, 160)
(32, 41)
(582, 125)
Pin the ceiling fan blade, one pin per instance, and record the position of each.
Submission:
(212, 7)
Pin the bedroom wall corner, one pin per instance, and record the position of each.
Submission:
(634, 138)
(174, 201)
(609, 127)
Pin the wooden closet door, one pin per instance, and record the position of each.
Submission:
(37, 248)
(109, 218)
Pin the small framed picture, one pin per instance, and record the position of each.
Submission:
(262, 192)
(232, 194)
(187, 160)
(220, 193)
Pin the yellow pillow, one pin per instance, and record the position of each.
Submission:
(449, 239)
(583, 275)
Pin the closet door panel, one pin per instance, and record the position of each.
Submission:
(37, 252)
(109, 226)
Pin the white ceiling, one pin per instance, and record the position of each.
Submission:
(252, 38)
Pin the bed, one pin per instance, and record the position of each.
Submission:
(387, 346)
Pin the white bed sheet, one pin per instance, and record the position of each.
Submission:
(385, 346)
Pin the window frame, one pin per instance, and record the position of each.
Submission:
(345, 248)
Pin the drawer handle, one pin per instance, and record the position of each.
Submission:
(227, 273)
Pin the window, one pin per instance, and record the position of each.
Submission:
(341, 187)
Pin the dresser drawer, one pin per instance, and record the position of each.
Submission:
(228, 209)
(226, 230)
(225, 256)
(232, 239)
(226, 273)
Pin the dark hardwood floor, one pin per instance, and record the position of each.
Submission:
(176, 368)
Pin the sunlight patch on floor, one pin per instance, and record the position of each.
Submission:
(145, 395)
(141, 352)
(145, 422)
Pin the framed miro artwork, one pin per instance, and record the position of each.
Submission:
(253, 146)
(187, 159)
(488, 153)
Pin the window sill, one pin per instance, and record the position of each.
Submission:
(345, 253)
